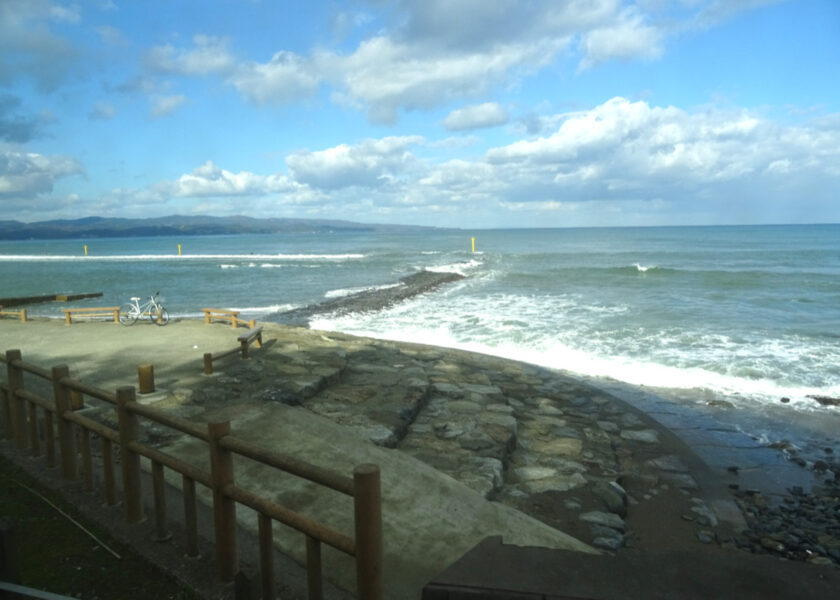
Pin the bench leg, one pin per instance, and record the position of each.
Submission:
(208, 363)
(67, 320)
(244, 348)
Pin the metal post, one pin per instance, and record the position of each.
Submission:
(66, 439)
(17, 416)
(224, 509)
(130, 460)
(367, 502)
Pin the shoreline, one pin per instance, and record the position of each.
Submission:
(540, 441)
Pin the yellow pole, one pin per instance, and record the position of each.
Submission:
(473, 244)
(179, 249)
(85, 249)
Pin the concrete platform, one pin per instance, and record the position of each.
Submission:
(496, 571)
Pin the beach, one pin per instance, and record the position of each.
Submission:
(498, 447)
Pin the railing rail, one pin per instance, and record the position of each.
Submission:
(19, 410)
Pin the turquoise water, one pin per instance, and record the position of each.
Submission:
(750, 313)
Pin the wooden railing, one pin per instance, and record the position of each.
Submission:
(20, 314)
(245, 340)
(20, 415)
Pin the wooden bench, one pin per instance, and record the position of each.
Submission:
(21, 314)
(245, 340)
(221, 314)
(102, 311)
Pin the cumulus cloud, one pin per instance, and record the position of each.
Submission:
(624, 149)
(27, 175)
(371, 164)
(489, 114)
(287, 77)
(211, 180)
(385, 75)
(629, 36)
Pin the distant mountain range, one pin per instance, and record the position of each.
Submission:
(100, 227)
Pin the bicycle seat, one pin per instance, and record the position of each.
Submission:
(135, 298)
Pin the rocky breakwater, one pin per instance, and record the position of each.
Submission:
(563, 452)
(370, 300)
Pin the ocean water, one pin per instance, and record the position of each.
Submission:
(749, 314)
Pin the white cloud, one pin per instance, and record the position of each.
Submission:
(27, 175)
(387, 76)
(165, 105)
(489, 114)
(210, 180)
(629, 150)
(286, 78)
(629, 36)
(208, 55)
(372, 163)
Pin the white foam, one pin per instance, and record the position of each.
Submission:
(339, 293)
(460, 268)
(146, 257)
(552, 332)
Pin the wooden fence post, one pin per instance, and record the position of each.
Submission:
(367, 503)
(34, 437)
(190, 516)
(129, 460)
(224, 508)
(108, 472)
(17, 416)
(66, 439)
(266, 535)
(314, 578)
(146, 378)
(159, 489)
(6, 410)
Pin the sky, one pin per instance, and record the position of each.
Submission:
(456, 113)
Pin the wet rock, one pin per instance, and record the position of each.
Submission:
(649, 436)
(605, 519)
(613, 500)
(706, 536)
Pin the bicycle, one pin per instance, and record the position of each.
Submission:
(131, 311)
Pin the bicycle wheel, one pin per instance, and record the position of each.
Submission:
(128, 314)
(164, 317)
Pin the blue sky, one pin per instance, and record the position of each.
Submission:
(468, 113)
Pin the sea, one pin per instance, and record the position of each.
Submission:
(746, 317)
